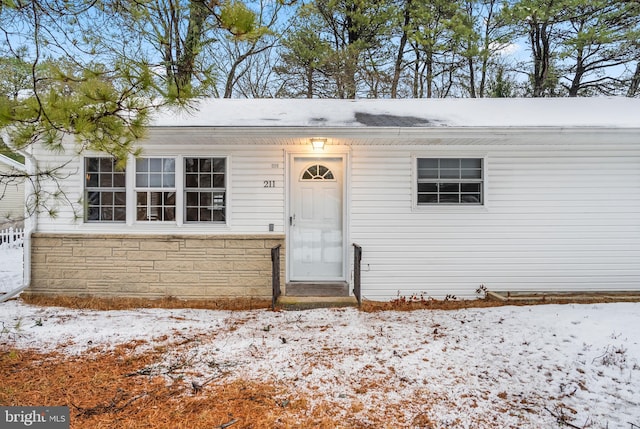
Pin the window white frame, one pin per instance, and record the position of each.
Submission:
(205, 189)
(104, 191)
(155, 189)
(178, 187)
(454, 207)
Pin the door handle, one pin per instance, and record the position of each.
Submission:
(291, 220)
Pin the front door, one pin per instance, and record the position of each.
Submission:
(316, 243)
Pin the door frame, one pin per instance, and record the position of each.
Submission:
(342, 154)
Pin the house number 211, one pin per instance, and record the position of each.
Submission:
(269, 183)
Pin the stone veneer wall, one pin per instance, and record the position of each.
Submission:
(153, 266)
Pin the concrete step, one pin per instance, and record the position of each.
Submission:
(310, 302)
(325, 289)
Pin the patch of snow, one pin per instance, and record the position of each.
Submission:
(10, 268)
(482, 368)
(453, 112)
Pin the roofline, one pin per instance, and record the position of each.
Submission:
(387, 132)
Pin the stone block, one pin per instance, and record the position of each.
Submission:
(244, 244)
(172, 246)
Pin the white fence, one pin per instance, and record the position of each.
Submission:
(11, 238)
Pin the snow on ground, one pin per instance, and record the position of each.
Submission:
(490, 367)
(10, 268)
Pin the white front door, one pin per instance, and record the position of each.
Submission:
(316, 243)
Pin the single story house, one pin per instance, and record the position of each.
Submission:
(442, 197)
(12, 202)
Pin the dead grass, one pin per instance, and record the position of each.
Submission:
(117, 303)
(239, 304)
(101, 392)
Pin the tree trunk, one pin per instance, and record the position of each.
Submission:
(635, 82)
(198, 13)
(397, 69)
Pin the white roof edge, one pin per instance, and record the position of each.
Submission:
(446, 113)
(12, 163)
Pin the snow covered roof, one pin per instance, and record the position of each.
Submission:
(609, 112)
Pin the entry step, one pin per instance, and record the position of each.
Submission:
(317, 289)
(310, 302)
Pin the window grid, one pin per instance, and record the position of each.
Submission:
(205, 189)
(155, 189)
(105, 191)
(450, 181)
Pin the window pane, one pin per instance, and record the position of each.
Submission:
(107, 213)
(470, 187)
(93, 213)
(191, 181)
(169, 213)
(119, 180)
(219, 165)
(218, 216)
(141, 198)
(170, 198)
(427, 187)
(450, 187)
(427, 198)
(106, 181)
(169, 180)
(106, 164)
(107, 198)
(449, 174)
(205, 181)
(205, 165)
(470, 198)
(471, 174)
(192, 215)
(155, 180)
(449, 163)
(192, 199)
(218, 181)
(169, 165)
(141, 213)
(425, 173)
(120, 214)
(120, 198)
(155, 165)
(142, 180)
(190, 165)
(93, 198)
(471, 163)
(428, 163)
(91, 180)
(449, 198)
(142, 164)
(91, 164)
(205, 215)
(206, 199)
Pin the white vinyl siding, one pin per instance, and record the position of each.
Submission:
(553, 219)
(557, 221)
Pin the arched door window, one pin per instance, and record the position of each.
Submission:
(317, 172)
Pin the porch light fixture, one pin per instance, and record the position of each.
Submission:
(318, 144)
